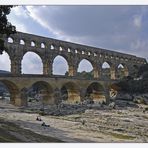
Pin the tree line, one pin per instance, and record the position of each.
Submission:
(5, 26)
(138, 84)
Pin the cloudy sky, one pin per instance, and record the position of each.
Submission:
(118, 28)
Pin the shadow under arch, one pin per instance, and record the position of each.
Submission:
(96, 92)
(41, 92)
(12, 89)
(70, 92)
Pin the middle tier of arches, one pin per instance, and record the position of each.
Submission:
(31, 62)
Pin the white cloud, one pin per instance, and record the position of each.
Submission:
(106, 27)
(20, 11)
(37, 13)
(4, 62)
(109, 27)
(137, 44)
(140, 47)
(20, 26)
(137, 20)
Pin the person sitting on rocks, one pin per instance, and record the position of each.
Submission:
(38, 118)
(43, 124)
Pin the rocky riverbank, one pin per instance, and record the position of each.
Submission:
(12, 133)
(122, 101)
(92, 125)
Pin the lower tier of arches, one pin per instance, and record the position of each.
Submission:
(25, 92)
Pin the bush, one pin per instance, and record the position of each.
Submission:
(103, 103)
(42, 113)
(29, 100)
(77, 102)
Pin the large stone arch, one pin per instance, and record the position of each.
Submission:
(70, 92)
(95, 70)
(122, 70)
(65, 57)
(44, 92)
(15, 94)
(86, 60)
(96, 92)
(35, 53)
(111, 71)
(29, 49)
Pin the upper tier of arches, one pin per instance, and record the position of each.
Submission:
(53, 45)
(100, 60)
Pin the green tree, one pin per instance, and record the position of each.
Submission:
(5, 26)
(143, 69)
(129, 85)
(145, 75)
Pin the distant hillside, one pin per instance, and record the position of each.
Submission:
(4, 72)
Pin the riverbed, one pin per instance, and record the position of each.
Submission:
(93, 126)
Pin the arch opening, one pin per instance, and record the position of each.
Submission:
(122, 71)
(10, 40)
(60, 66)
(60, 48)
(32, 43)
(32, 64)
(8, 92)
(22, 42)
(70, 93)
(69, 50)
(5, 63)
(95, 92)
(95, 54)
(40, 94)
(106, 70)
(42, 45)
(85, 69)
(51, 47)
(83, 52)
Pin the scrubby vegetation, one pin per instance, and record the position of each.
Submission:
(5, 26)
(135, 85)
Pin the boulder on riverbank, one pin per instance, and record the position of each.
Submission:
(124, 96)
(131, 100)
(141, 99)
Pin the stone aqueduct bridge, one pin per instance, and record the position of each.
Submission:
(19, 44)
